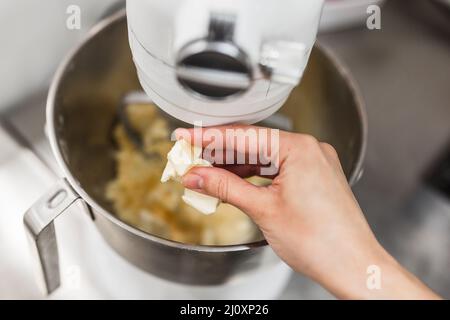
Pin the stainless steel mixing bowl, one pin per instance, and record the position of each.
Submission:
(81, 112)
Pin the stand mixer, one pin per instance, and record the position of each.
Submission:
(221, 61)
(96, 75)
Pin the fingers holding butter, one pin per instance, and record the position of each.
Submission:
(227, 187)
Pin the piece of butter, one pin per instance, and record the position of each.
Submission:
(202, 202)
(180, 159)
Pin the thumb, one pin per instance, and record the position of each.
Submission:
(229, 188)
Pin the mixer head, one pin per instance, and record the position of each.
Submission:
(221, 61)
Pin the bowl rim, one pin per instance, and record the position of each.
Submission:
(57, 152)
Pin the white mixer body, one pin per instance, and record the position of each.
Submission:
(221, 61)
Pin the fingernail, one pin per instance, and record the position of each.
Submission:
(192, 181)
(181, 133)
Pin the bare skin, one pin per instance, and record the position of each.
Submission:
(310, 217)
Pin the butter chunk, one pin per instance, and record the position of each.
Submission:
(180, 159)
(202, 202)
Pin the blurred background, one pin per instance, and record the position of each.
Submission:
(403, 71)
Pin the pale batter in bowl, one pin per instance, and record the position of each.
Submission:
(140, 199)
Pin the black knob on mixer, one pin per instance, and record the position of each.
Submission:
(215, 67)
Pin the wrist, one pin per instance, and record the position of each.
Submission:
(360, 276)
(375, 276)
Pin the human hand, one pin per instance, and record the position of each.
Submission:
(308, 214)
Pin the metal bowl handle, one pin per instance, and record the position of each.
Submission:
(40, 228)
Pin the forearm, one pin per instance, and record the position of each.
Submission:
(375, 276)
